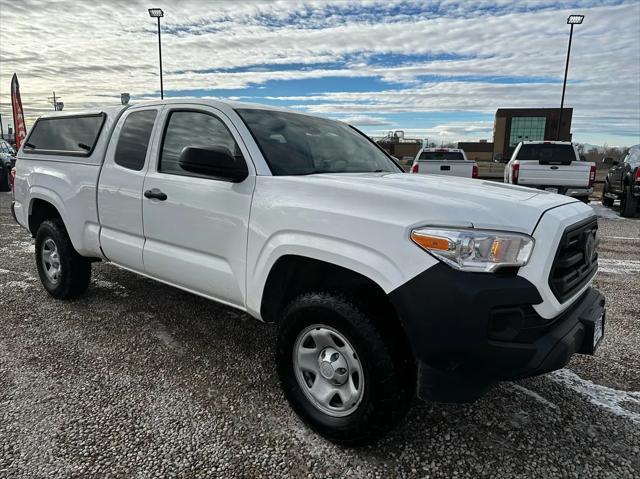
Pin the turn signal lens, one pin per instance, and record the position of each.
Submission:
(415, 168)
(430, 242)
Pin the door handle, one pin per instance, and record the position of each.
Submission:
(155, 193)
(554, 167)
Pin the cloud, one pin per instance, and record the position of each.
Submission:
(363, 120)
(389, 57)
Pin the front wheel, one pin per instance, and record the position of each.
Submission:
(338, 373)
(63, 272)
(606, 200)
(628, 203)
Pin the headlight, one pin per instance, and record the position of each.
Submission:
(475, 250)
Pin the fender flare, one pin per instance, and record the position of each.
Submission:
(45, 194)
(359, 258)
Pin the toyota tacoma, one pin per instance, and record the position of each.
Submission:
(383, 285)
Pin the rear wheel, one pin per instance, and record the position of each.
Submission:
(628, 203)
(338, 373)
(63, 272)
(606, 200)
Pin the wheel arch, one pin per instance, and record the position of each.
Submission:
(42, 207)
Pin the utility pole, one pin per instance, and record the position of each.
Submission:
(572, 20)
(158, 13)
(55, 101)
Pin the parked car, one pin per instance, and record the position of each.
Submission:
(7, 162)
(382, 283)
(444, 161)
(553, 166)
(623, 182)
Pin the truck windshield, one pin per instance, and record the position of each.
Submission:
(295, 144)
(547, 153)
(441, 156)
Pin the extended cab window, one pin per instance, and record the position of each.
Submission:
(65, 134)
(193, 128)
(441, 156)
(134, 139)
(547, 153)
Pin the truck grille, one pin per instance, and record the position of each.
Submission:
(576, 260)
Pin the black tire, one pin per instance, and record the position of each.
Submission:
(75, 270)
(628, 203)
(5, 172)
(389, 376)
(584, 199)
(606, 201)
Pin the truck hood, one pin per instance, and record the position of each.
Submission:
(439, 200)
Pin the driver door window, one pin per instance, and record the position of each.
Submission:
(192, 128)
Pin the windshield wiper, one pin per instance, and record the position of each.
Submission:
(84, 146)
(30, 145)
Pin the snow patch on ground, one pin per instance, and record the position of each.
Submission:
(26, 276)
(619, 266)
(604, 212)
(118, 289)
(19, 246)
(159, 331)
(535, 396)
(613, 400)
(13, 285)
(26, 247)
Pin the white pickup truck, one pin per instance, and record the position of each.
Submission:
(382, 283)
(553, 166)
(444, 161)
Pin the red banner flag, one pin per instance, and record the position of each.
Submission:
(18, 116)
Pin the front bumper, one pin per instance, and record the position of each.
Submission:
(566, 190)
(470, 330)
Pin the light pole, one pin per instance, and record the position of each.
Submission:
(158, 13)
(572, 20)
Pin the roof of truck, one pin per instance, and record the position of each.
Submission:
(220, 104)
(546, 142)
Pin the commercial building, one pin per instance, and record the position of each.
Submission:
(513, 125)
(477, 150)
(404, 149)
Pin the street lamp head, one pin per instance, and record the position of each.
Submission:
(572, 20)
(156, 12)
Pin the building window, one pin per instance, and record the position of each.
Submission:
(527, 128)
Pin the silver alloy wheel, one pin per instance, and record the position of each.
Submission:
(328, 370)
(51, 260)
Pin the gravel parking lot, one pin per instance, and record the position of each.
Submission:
(138, 379)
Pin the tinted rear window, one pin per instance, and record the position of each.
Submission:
(547, 154)
(75, 134)
(441, 156)
(134, 139)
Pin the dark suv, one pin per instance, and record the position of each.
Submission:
(623, 182)
(7, 161)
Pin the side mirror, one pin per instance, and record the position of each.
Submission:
(213, 161)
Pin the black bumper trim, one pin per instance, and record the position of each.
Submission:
(448, 318)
